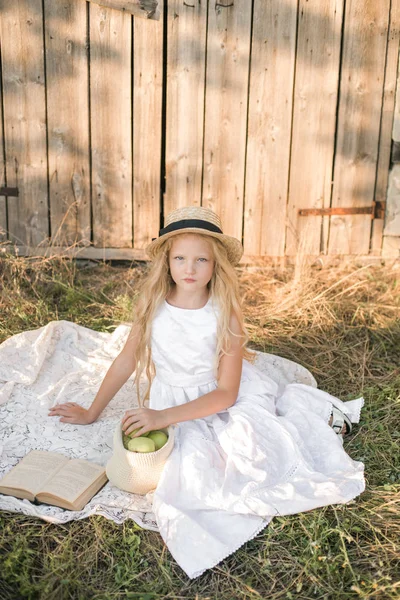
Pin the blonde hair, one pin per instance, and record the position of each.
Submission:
(224, 289)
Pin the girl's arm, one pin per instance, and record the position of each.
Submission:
(119, 372)
(229, 375)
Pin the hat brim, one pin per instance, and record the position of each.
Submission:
(233, 246)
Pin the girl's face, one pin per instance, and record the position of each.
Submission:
(191, 262)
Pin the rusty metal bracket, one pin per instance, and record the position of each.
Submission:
(376, 210)
(9, 191)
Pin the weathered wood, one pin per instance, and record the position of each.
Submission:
(228, 45)
(185, 103)
(376, 237)
(391, 247)
(395, 154)
(25, 119)
(361, 89)
(67, 120)
(378, 246)
(385, 138)
(392, 221)
(3, 199)
(139, 8)
(127, 254)
(111, 127)
(396, 115)
(147, 142)
(269, 126)
(313, 138)
(3, 219)
(217, 179)
(89, 252)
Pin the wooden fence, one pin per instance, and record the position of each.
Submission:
(258, 109)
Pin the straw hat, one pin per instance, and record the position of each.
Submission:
(196, 219)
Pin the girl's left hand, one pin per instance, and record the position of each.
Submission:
(146, 419)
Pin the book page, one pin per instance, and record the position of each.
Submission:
(33, 471)
(71, 481)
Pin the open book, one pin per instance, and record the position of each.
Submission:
(52, 478)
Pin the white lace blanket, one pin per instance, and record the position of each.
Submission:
(65, 362)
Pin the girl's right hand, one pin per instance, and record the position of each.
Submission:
(71, 412)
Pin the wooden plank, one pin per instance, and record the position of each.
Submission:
(391, 247)
(396, 115)
(314, 116)
(185, 103)
(3, 219)
(376, 237)
(89, 252)
(25, 119)
(67, 97)
(3, 199)
(147, 117)
(147, 9)
(361, 90)
(392, 220)
(387, 121)
(111, 126)
(269, 126)
(133, 254)
(390, 114)
(228, 48)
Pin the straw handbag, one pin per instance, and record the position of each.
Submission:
(137, 472)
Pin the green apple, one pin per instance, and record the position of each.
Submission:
(159, 438)
(132, 433)
(125, 440)
(141, 444)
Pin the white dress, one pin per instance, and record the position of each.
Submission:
(271, 453)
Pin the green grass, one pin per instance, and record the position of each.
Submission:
(349, 338)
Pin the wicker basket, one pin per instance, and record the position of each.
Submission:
(137, 472)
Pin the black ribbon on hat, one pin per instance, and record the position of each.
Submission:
(185, 223)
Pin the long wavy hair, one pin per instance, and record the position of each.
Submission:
(224, 289)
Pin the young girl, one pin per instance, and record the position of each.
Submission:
(246, 448)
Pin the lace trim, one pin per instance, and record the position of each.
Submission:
(290, 473)
(358, 412)
(235, 549)
(352, 408)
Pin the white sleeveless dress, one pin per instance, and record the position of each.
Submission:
(271, 453)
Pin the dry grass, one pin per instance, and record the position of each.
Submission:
(342, 322)
(329, 319)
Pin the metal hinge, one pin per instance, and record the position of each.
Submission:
(9, 191)
(376, 210)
